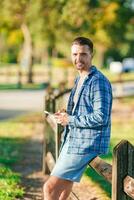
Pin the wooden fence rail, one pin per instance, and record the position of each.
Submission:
(120, 174)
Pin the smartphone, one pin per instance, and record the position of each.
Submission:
(48, 113)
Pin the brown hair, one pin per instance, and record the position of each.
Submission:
(83, 41)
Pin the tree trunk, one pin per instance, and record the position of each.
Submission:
(27, 52)
(99, 55)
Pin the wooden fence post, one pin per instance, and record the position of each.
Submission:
(102, 168)
(58, 138)
(123, 166)
(49, 106)
(44, 164)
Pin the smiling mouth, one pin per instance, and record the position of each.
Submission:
(79, 64)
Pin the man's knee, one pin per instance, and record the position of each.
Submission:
(51, 189)
(48, 188)
(55, 186)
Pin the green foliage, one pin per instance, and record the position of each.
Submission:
(53, 25)
(9, 181)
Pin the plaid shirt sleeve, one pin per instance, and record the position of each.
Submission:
(101, 100)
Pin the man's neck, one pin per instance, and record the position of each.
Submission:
(84, 73)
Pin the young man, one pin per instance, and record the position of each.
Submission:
(87, 123)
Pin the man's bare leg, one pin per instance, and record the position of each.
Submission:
(57, 189)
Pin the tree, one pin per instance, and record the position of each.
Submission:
(107, 22)
(48, 27)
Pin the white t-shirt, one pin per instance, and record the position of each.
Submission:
(79, 85)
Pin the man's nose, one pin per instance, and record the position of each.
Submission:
(79, 58)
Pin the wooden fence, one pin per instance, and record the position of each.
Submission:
(40, 74)
(120, 174)
(57, 76)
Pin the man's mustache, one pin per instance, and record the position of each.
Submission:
(80, 62)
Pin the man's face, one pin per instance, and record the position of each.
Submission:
(81, 57)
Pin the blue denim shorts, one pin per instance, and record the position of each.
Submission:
(71, 166)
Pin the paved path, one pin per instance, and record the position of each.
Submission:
(14, 103)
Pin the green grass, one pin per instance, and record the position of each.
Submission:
(9, 150)
(32, 86)
(117, 77)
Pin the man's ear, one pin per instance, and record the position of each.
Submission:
(92, 54)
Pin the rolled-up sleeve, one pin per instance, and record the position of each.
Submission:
(101, 99)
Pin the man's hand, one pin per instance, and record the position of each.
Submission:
(61, 118)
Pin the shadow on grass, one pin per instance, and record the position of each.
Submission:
(10, 150)
(21, 155)
(99, 180)
(95, 177)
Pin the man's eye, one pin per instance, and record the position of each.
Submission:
(84, 54)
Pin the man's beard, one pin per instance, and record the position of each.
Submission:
(80, 65)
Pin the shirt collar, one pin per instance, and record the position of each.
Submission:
(92, 70)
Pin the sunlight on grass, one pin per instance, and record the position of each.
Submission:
(15, 129)
(115, 77)
(123, 131)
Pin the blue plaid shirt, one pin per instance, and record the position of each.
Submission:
(90, 123)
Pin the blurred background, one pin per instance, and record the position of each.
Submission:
(35, 40)
(35, 37)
